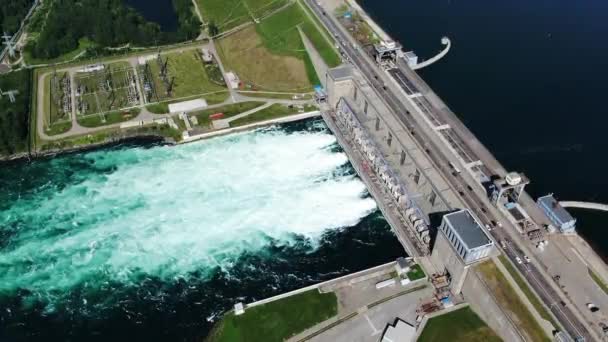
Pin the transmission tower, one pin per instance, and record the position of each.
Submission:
(9, 44)
(11, 94)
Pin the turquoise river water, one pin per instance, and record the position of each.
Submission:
(147, 242)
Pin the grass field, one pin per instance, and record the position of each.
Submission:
(508, 299)
(188, 71)
(112, 134)
(227, 14)
(282, 96)
(97, 120)
(320, 38)
(527, 291)
(272, 112)
(598, 280)
(228, 110)
(58, 128)
(461, 325)
(245, 54)
(281, 36)
(415, 273)
(276, 320)
(271, 56)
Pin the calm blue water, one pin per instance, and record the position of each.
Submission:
(158, 11)
(528, 78)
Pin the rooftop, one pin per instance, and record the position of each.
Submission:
(551, 203)
(400, 332)
(468, 229)
(341, 73)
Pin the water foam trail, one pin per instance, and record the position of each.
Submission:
(167, 212)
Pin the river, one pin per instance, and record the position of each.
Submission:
(147, 242)
(528, 78)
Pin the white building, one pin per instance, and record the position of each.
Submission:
(399, 332)
(233, 80)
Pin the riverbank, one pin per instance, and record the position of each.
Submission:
(154, 139)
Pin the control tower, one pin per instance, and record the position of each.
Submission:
(509, 188)
(386, 52)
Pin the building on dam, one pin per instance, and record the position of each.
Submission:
(429, 208)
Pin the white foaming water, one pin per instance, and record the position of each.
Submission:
(170, 211)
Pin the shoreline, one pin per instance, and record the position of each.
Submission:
(153, 139)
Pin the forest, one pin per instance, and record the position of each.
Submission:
(107, 23)
(11, 14)
(14, 117)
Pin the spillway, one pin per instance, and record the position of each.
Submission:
(152, 240)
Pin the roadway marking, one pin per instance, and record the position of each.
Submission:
(374, 330)
(442, 127)
(474, 163)
(413, 96)
(579, 256)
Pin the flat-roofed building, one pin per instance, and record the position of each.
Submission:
(461, 242)
(401, 331)
(559, 216)
(466, 235)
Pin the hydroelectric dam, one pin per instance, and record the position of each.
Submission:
(421, 162)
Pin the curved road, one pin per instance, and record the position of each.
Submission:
(584, 205)
(448, 44)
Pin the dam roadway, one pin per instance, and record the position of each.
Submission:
(398, 91)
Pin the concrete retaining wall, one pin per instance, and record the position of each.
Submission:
(332, 284)
(477, 294)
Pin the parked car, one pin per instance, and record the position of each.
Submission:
(592, 307)
(518, 259)
(527, 258)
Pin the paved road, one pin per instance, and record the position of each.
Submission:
(566, 317)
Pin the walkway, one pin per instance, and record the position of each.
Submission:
(448, 44)
(584, 205)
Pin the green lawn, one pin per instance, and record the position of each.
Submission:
(112, 134)
(461, 325)
(280, 34)
(527, 291)
(272, 112)
(321, 39)
(58, 128)
(110, 118)
(415, 273)
(283, 96)
(228, 110)
(159, 108)
(598, 280)
(278, 320)
(509, 300)
(227, 14)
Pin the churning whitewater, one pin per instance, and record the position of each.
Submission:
(171, 211)
(91, 234)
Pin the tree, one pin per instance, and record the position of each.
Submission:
(212, 29)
